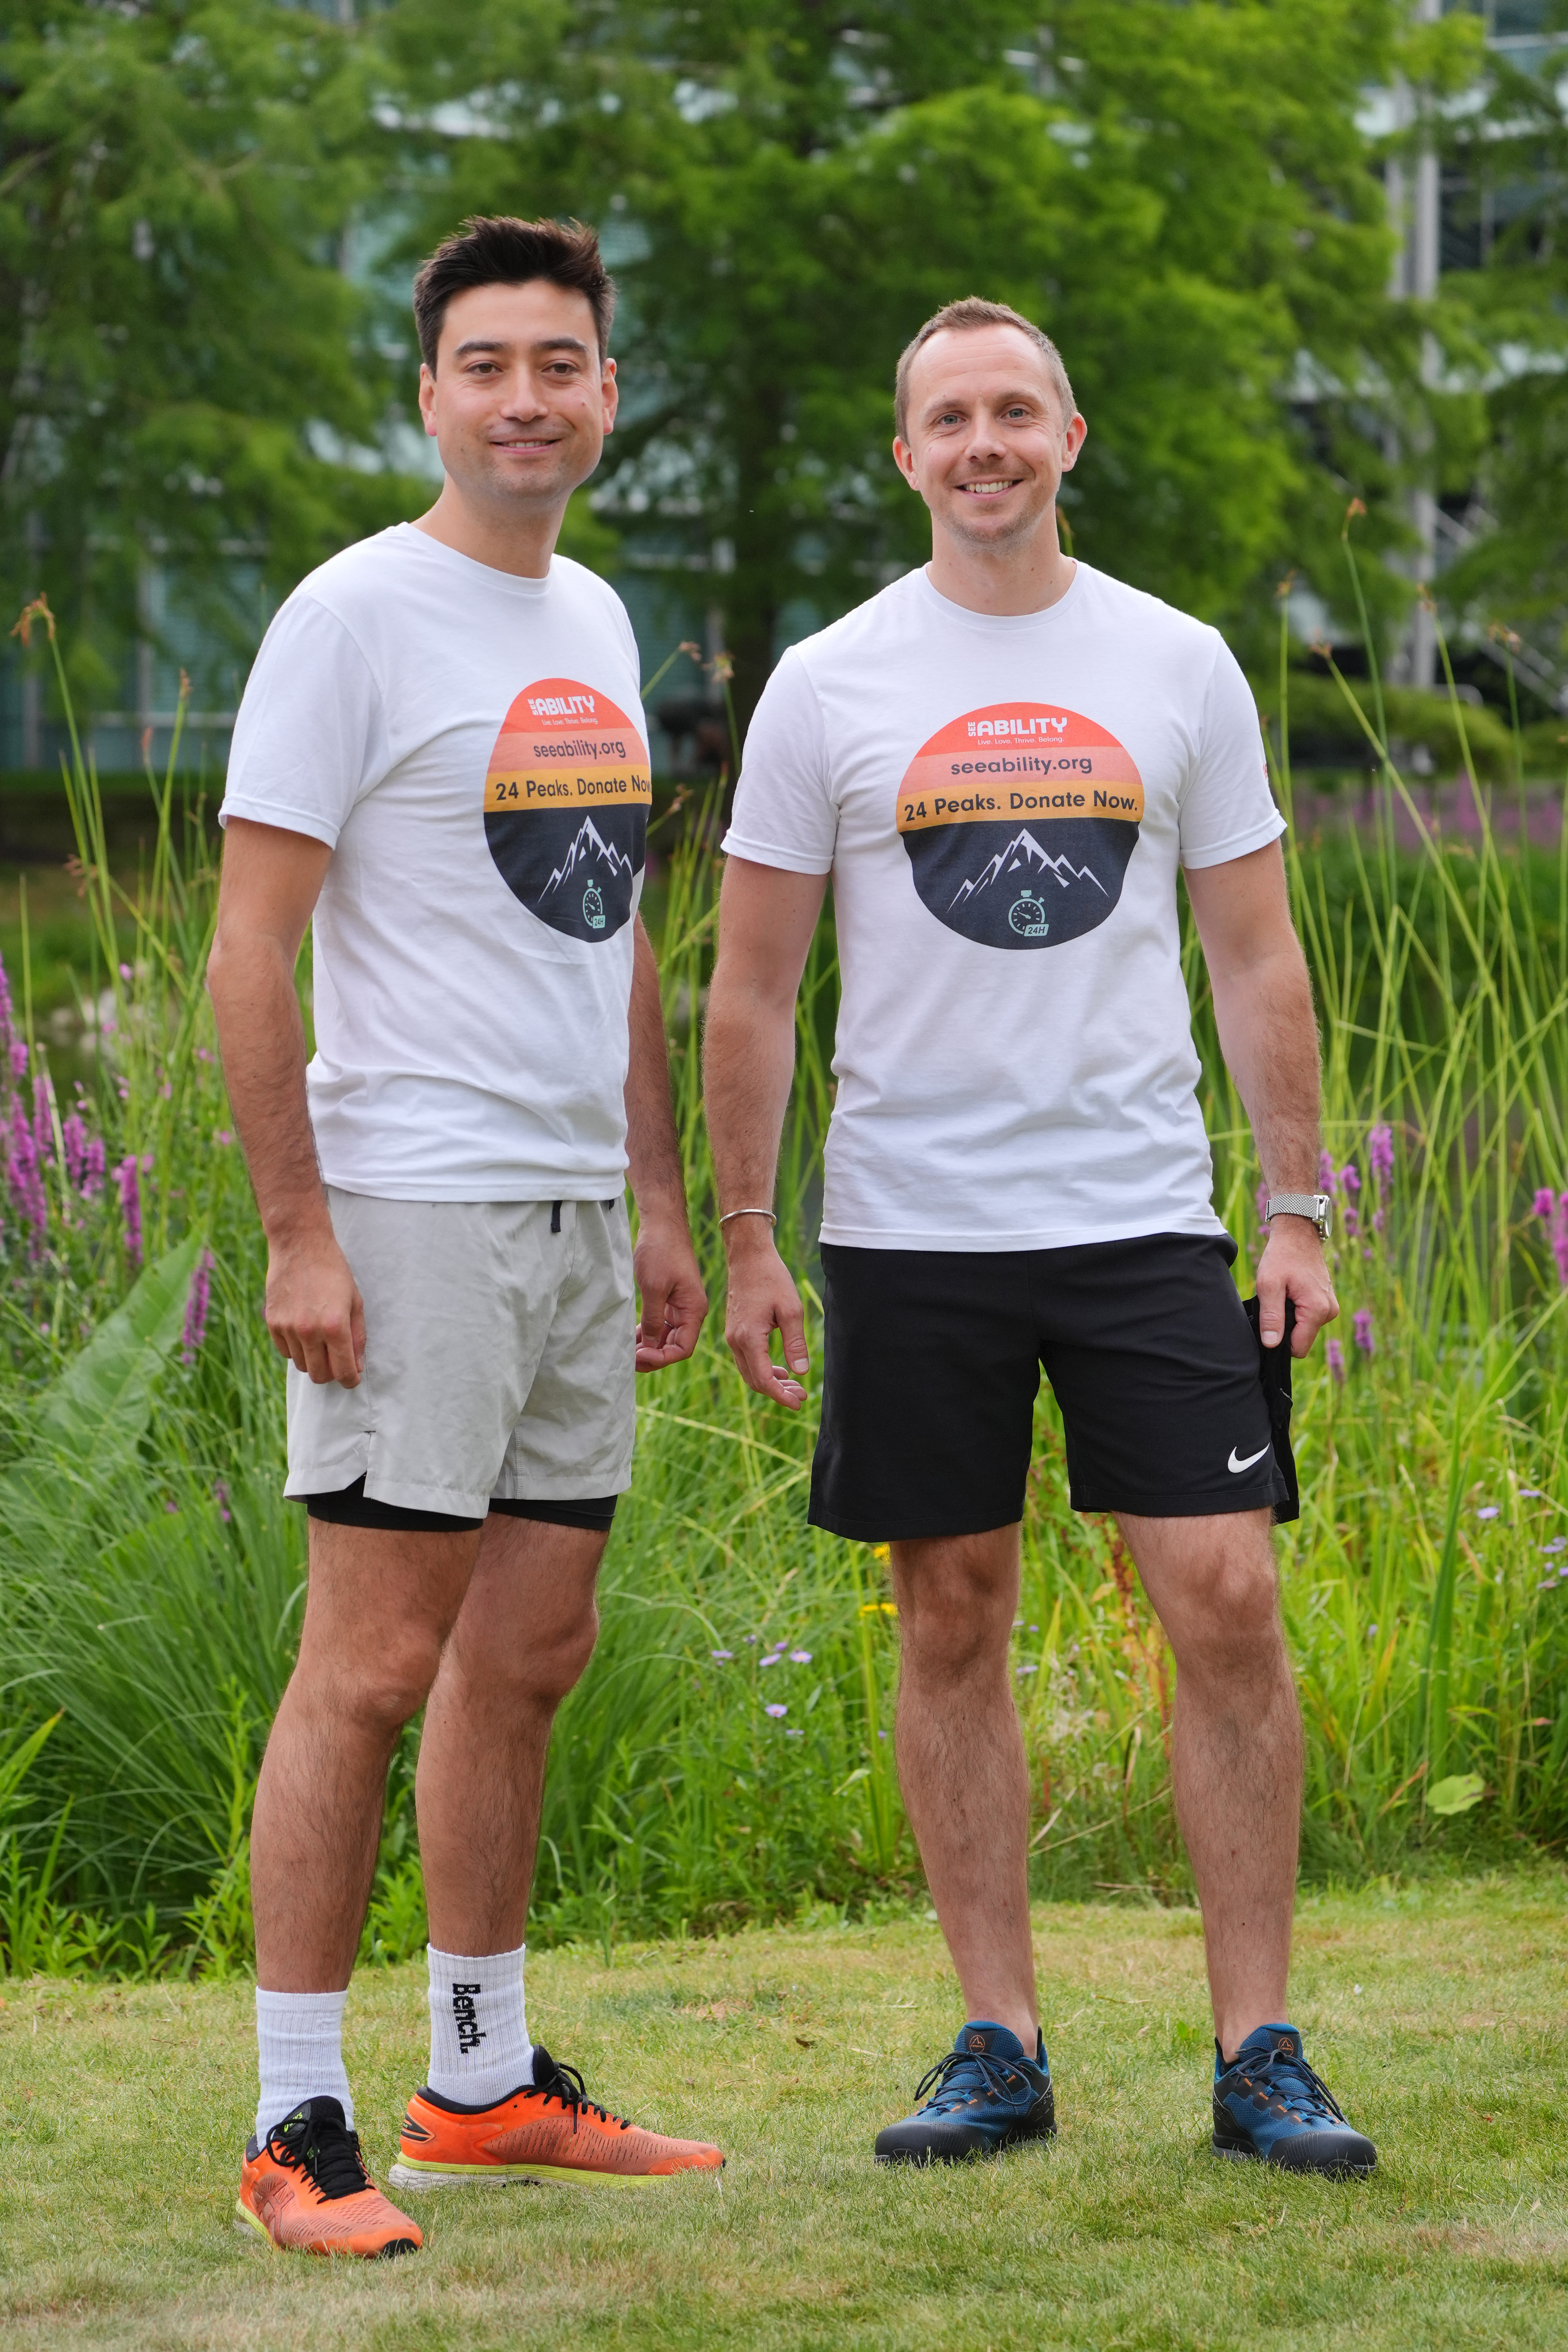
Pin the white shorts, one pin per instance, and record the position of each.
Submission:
(500, 1357)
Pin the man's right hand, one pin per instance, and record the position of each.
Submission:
(761, 1301)
(314, 1311)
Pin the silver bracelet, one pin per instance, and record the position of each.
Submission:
(749, 1213)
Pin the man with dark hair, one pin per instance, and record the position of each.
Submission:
(441, 761)
(1003, 760)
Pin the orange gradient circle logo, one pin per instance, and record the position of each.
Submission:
(1020, 820)
(567, 795)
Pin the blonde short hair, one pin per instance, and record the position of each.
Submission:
(972, 312)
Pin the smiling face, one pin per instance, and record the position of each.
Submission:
(519, 404)
(987, 442)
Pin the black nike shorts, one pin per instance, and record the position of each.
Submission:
(1171, 1406)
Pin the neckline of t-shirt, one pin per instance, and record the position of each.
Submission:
(507, 582)
(1003, 623)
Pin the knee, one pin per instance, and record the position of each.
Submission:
(539, 1671)
(381, 1689)
(953, 1625)
(560, 1663)
(1233, 1620)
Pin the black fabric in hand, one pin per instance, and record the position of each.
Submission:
(1274, 1372)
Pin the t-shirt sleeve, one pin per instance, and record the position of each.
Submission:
(784, 813)
(309, 720)
(1227, 809)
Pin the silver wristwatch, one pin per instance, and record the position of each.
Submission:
(1317, 1206)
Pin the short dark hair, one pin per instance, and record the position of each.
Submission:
(500, 251)
(972, 312)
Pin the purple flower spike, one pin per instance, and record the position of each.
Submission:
(1335, 1355)
(27, 1176)
(1544, 1203)
(43, 1116)
(1326, 1176)
(93, 1165)
(777, 1709)
(197, 1307)
(1560, 1238)
(7, 1020)
(73, 1135)
(1362, 1322)
(1352, 1224)
(127, 1176)
(1380, 1154)
(1349, 1177)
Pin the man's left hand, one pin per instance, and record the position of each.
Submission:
(1292, 1266)
(669, 1287)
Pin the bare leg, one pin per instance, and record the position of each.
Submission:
(1236, 1749)
(961, 1765)
(379, 1607)
(523, 1637)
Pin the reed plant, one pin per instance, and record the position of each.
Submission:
(729, 1755)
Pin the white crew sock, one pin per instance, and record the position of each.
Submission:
(300, 2040)
(480, 2049)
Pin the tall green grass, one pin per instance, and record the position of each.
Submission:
(151, 1578)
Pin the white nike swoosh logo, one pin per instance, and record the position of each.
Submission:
(1234, 1464)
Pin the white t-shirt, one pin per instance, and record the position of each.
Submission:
(1003, 804)
(471, 747)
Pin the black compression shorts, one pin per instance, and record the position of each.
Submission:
(350, 1506)
(1172, 1408)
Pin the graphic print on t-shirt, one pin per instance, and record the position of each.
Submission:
(1019, 821)
(567, 795)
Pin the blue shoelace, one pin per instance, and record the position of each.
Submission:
(1278, 2077)
(996, 2075)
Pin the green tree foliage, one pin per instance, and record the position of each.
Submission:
(175, 180)
(1508, 159)
(1180, 194)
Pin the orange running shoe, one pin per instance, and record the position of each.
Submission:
(549, 2130)
(307, 2191)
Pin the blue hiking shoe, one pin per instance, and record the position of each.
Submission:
(1268, 2104)
(984, 2095)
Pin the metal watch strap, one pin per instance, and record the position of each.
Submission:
(1316, 1207)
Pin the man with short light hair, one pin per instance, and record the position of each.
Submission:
(1003, 759)
(441, 759)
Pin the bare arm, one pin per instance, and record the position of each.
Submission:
(1263, 1005)
(766, 918)
(669, 1285)
(271, 880)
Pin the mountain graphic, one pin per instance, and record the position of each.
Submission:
(1023, 855)
(588, 843)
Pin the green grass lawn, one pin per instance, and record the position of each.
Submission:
(1435, 2014)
